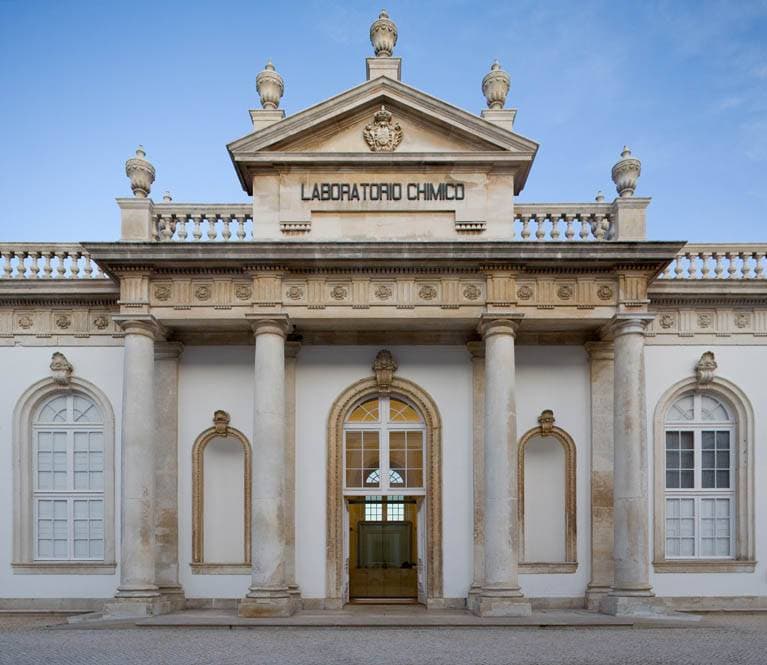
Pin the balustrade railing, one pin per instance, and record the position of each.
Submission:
(540, 222)
(46, 261)
(714, 261)
(203, 223)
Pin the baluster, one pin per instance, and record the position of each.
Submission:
(694, 265)
(87, 266)
(667, 271)
(733, 267)
(34, 268)
(718, 267)
(241, 226)
(569, 230)
(226, 232)
(74, 265)
(601, 227)
(61, 268)
(167, 228)
(212, 220)
(705, 265)
(555, 233)
(679, 267)
(525, 226)
(181, 232)
(540, 232)
(585, 226)
(7, 269)
(47, 268)
(196, 230)
(759, 267)
(747, 268)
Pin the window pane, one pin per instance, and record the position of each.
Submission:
(54, 411)
(85, 411)
(713, 410)
(400, 412)
(367, 412)
(680, 527)
(681, 410)
(715, 527)
(415, 478)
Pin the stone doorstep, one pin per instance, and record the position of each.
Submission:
(414, 617)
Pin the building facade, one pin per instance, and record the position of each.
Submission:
(383, 378)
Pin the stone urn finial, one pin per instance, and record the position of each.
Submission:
(495, 86)
(384, 367)
(270, 87)
(141, 174)
(383, 35)
(626, 173)
(166, 197)
(600, 197)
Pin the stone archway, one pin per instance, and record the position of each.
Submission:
(384, 382)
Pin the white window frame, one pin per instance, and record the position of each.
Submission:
(697, 493)
(25, 494)
(741, 492)
(383, 426)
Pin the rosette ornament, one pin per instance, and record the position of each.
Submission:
(626, 173)
(141, 174)
(270, 87)
(495, 86)
(383, 35)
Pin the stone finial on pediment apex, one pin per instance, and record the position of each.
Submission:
(221, 420)
(495, 86)
(384, 367)
(546, 422)
(383, 35)
(61, 369)
(626, 173)
(270, 87)
(705, 368)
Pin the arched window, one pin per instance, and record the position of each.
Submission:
(384, 447)
(64, 478)
(704, 503)
(700, 478)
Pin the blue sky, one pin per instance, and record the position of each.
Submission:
(684, 84)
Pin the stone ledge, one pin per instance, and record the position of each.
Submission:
(534, 568)
(704, 566)
(64, 568)
(220, 568)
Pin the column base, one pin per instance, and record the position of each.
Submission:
(472, 599)
(136, 607)
(269, 603)
(502, 602)
(174, 594)
(620, 602)
(594, 595)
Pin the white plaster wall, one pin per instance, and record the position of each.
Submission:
(557, 378)
(544, 500)
(22, 367)
(322, 373)
(210, 378)
(745, 367)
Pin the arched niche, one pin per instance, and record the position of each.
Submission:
(554, 445)
(227, 441)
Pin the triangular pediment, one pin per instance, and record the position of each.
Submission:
(334, 129)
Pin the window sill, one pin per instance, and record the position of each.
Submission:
(64, 568)
(221, 568)
(704, 566)
(532, 568)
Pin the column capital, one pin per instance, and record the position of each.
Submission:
(276, 324)
(476, 348)
(141, 324)
(628, 324)
(167, 350)
(603, 350)
(499, 324)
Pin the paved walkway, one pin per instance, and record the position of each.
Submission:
(715, 640)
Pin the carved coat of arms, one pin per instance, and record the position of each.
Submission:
(383, 135)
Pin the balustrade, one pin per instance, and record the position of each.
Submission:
(745, 261)
(46, 261)
(538, 222)
(203, 223)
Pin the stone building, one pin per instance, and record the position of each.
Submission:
(383, 378)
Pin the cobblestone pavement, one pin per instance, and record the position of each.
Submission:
(719, 640)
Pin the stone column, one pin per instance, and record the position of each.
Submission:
(291, 353)
(601, 368)
(477, 351)
(631, 592)
(166, 358)
(501, 594)
(137, 593)
(268, 594)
